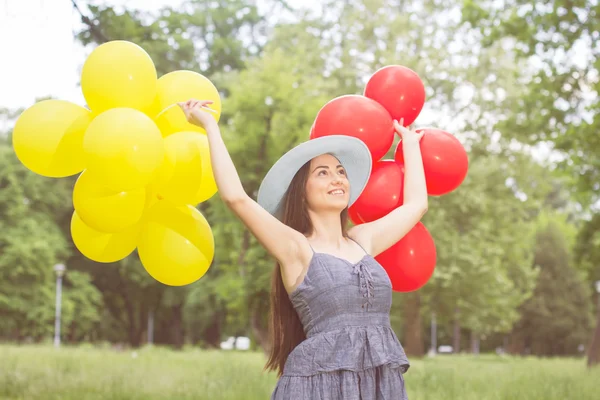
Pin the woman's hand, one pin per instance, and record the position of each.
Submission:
(406, 134)
(197, 112)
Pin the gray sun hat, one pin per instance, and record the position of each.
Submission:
(352, 153)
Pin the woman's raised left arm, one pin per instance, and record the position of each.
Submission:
(381, 234)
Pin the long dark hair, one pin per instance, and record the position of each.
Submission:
(285, 328)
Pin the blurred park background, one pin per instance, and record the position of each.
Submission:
(515, 297)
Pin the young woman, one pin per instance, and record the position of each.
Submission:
(330, 298)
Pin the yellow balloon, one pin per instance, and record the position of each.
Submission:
(179, 177)
(124, 149)
(48, 138)
(172, 120)
(183, 85)
(100, 246)
(119, 74)
(208, 186)
(151, 197)
(154, 109)
(105, 209)
(176, 244)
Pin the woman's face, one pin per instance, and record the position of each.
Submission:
(327, 187)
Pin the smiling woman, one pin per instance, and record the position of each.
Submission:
(330, 299)
(327, 186)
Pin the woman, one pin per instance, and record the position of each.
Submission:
(330, 299)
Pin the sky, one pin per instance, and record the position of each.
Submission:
(40, 55)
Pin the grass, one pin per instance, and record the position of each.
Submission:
(86, 373)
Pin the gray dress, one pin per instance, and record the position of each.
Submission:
(350, 351)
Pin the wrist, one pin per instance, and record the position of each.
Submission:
(410, 142)
(211, 125)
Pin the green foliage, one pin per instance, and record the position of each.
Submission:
(558, 317)
(484, 240)
(556, 103)
(81, 307)
(32, 242)
(272, 114)
(206, 36)
(587, 249)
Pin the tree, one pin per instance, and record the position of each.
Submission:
(271, 114)
(357, 37)
(206, 37)
(587, 256)
(306, 62)
(482, 233)
(557, 318)
(31, 243)
(555, 105)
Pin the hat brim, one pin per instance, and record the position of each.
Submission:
(353, 154)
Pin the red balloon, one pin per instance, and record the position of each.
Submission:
(411, 261)
(356, 220)
(357, 116)
(445, 161)
(399, 90)
(383, 193)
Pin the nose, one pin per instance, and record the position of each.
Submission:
(337, 180)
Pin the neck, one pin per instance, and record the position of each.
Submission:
(327, 228)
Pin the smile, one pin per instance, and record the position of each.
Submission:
(337, 192)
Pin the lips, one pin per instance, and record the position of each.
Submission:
(337, 192)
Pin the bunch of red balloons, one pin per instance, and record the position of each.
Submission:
(395, 92)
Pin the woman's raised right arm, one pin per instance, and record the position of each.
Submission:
(287, 245)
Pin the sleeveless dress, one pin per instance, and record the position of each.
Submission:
(350, 351)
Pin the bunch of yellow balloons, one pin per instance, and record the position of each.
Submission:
(142, 167)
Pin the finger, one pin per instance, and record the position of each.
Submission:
(401, 121)
(209, 109)
(207, 102)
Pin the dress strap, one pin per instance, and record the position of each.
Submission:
(363, 249)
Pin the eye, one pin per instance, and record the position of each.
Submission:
(322, 172)
(342, 171)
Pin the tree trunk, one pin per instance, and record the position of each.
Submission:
(212, 334)
(516, 343)
(474, 342)
(259, 330)
(594, 350)
(412, 326)
(177, 326)
(135, 338)
(456, 333)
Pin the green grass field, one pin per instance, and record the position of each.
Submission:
(39, 372)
